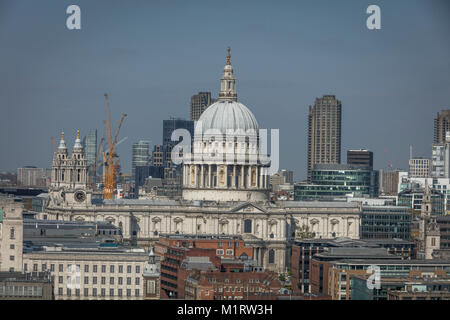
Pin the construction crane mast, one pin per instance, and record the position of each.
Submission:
(111, 166)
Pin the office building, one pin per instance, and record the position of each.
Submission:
(140, 156)
(176, 123)
(143, 172)
(199, 102)
(11, 235)
(419, 168)
(329, 181)
(386, 222)
(390, 181)
(304, 249)
(90, 149)
(441, 126)
(360, 157)
(324, 132)
(412, 198)
(401, 288)
(331, 271)
(26, 286)
(30, 176)
(440, 159)
(231, 285)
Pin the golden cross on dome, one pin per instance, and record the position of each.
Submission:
(228, 56)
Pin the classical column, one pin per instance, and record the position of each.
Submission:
(202, 176)
(209, 176)
(196, 176)
(233, 182)
(242, 176)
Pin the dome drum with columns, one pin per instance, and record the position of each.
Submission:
(225, 164)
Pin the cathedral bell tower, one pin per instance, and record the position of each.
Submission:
(429, 231)
(228, 82)
(69, 182)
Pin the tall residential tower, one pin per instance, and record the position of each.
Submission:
(324, 132)
(441, 126)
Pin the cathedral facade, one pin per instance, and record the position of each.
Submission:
(225, 191)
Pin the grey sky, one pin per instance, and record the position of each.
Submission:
(151, 56)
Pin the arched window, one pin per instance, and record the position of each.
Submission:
(248, 226)
(271, 256)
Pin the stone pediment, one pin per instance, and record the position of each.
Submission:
(247, 207)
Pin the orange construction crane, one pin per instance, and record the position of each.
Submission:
(111, 165)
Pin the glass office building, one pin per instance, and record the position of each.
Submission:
(412, 198)
(140, 156)
(386, 222)
(338, 180)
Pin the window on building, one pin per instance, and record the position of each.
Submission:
(247, 226)
(151, 287)
(271, 256)
(86, 268)
(11, 233)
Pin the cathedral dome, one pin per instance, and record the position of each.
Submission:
(226, 114)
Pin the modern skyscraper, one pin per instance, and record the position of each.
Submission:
(90, 148)
(324, 132)
(140, 155)
(199, 102)
(176, 123)
(361, 157)
(441, 126)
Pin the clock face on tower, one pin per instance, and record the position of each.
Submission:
(80, 196)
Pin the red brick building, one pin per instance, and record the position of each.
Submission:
(174, 249)
(217, 285)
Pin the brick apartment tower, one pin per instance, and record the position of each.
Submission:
(324, 132)
(441, 126)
